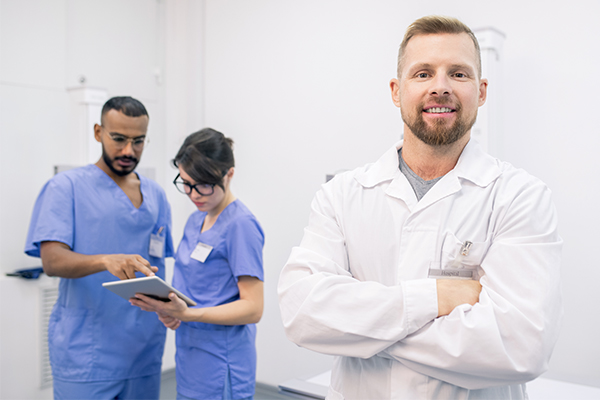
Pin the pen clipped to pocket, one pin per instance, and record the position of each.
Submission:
(456, 268)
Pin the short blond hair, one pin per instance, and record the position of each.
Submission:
(435, 24)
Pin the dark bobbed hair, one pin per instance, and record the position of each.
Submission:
(206, 156)
(125, 104)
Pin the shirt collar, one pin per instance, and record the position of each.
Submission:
(473, 165)
(384, 169)
(477, 166)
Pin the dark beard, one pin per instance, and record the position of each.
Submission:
(439, 134)
(109, 162)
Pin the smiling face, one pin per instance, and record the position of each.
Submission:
(439, 90)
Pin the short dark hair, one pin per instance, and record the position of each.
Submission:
(206, 156)
(125, 104)
(436, 24)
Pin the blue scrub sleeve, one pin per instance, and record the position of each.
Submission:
(52, 217)
(245, 241)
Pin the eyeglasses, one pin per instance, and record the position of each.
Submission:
(203, 189)
(120, 141)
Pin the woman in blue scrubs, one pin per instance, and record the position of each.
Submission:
(219, 265)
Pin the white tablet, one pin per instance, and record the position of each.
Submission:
(151, 286)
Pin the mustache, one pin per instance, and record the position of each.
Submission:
(134, 159)
(443, 101)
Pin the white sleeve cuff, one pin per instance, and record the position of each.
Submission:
(420, 303)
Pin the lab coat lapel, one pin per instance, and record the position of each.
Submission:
(447, 186)
(386, 169)
(473, 166)
(477, 166)
(400, 188)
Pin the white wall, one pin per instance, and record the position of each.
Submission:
(302, 88)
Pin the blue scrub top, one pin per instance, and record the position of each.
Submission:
(206, 351)
(94, 334)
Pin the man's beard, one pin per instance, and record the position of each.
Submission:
(109, 162)
(439, 134)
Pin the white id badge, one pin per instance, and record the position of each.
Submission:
(157, 245)
(201, 252)
(451, 273)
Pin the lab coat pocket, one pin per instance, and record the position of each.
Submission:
(70, 340)
(462, 254)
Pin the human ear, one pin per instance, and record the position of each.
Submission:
(395, 89)
(483, 84)
(97, 132)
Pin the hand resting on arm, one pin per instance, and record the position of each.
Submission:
(453, 292)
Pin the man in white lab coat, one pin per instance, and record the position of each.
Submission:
(434, 272)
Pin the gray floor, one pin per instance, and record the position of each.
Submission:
(168, 389)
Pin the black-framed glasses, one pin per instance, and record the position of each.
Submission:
(203, 189)
(120, 141)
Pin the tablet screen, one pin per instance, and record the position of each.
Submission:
(151, 286)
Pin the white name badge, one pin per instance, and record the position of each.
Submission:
(451, 273)
(201, 252)
(157, 245)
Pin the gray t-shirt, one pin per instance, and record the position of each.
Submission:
(419, 185)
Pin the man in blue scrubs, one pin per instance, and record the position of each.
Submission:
(100, 223)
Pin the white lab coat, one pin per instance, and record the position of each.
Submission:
(357, 287)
